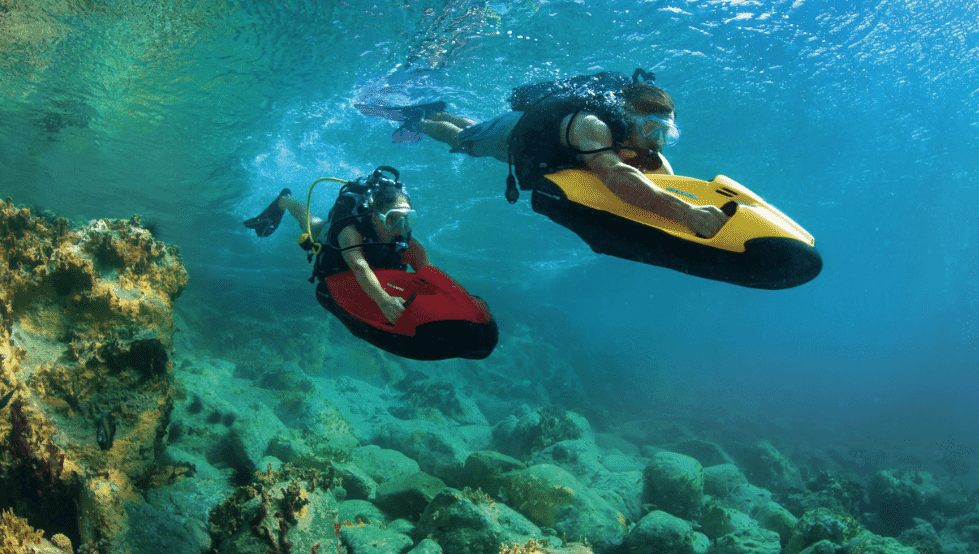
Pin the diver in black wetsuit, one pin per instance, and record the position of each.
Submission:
(618, 134)
(380, 237)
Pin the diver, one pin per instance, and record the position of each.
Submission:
(369, 227)
(618, 133)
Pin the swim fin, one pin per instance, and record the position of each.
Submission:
(409, 115)
(268, 221)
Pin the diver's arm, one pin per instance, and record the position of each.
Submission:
(415, 255)
(631, 186)
(391, 306)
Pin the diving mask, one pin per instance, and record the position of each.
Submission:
(661, 130)
(399, 219)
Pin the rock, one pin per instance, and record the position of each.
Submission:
(899, 496)
(611, 442)
(869, 543)
(734, 532)
(831, 490)
(705, 452)
(767, 467)
(179, 514)
(403, 526)
(617, 463)
(481, 527)
(754, 540)
(484, 470)
(819, 525)
(363, 406)
(286, 377)
(426, 546)
(721, 480)
(86, 315)
(370, 539)
(250, 437)
(408, 495)
(357, 484)
(674, 483)
(580, 458)
(758, 504)
(774, 517)
(155, 528)
(922, 536)
(382, 464)
(623, 491)
(960, 535)
(718, 521)
(747, 498)
(358, 512)
(661, 533)
(528, 431)
(437, 402)
(821, 547)
(440, 449)
(199, 466)
(551, 497)
(293, 508)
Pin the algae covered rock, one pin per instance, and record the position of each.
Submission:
(900, 496)
(289, 509)
(408, 495)
(722, 479)
(765, 466)
(485, 470)
(473, 524)
(85, 341)
(869, 543)
(822, 524)
(551, 497)
(674, 483)
(528, 431)
(734, 532)
(661, 533)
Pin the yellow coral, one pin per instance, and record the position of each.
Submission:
(530, 547)
(15, 532)
(533, 546)
(62, 542)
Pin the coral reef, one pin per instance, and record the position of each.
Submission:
(87, 331)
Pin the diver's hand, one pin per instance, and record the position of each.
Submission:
(392, 307)
(706, 221)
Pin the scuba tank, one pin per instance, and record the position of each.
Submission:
(525, 98)
(355, 201)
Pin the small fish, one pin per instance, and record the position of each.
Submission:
(6, 398)
(105, 431)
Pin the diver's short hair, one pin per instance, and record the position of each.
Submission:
(646, 99)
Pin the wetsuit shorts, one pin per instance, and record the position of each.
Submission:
(488, 138)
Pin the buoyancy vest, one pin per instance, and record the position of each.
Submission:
(535, 144)
(352, 208)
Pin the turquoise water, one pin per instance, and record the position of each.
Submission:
(858, 120)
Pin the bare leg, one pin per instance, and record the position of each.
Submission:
(460, 122)
(441, 131)
(444, 127)
(297, 209)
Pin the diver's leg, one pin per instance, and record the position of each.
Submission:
(442, 131)
(460, 122)
(297, 209)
